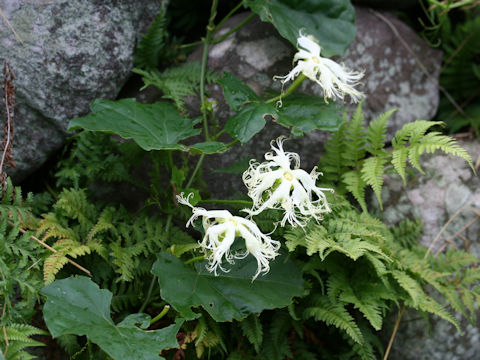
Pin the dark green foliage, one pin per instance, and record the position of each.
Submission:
(347, 164)
(13, 206)
(253, 330)
(365, 269)
(276, 345)
(20, 274)
(154, 44)
(407, 232)
(96, 156)
(460, 76)
(461, 71)
(19, 339)
(78, 228)
(176, 83)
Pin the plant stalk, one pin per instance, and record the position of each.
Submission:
(154, 278)
(161, 315)
(203, 69)
(196, 258)
(394, 332)
(296, 83)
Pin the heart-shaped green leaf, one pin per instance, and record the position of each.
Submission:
(230, 295)
(331, 22)
(249, 121)
(235, 92)
(156, 126)
(303, 113)
(78, 306)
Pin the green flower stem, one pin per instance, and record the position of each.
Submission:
(229, 145)
(154, 278)
(196, 43)
(233, 11)
(161, 315)
(194, 173)
(296, 83)
(203, 69)
(217, 27)
(196, 258)
(219, 133)
(237, 202)
(226, 35)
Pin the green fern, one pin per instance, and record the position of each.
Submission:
(12, 205)
(407, 232)
(461, 59)
(153, 43)
(19, 339)
(19, 261)
(354, 140)
(334, 314)
(178, 82)
(253, 330)
(275, 344)
(96, 156)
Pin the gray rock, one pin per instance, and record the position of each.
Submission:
(393, 80)
(449, 190)
(72, 53)
(440, 340)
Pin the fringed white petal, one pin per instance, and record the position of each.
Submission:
(221, 229)
(275, 185)
(335, 79)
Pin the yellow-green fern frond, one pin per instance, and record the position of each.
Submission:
(334, 314)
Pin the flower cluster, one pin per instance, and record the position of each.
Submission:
(275, 184)
(335, 79)
(221, 229)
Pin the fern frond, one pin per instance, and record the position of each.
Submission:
(104, 223)
(412, 132)
(434, 141)
(368, 306)
(411, 286)
(355, 138)
(427, 304)
(12, 205)
(51, 227)
(253, 330)
(399, 162)
(356, 185)
(407, 232)
(331, 162)
(372, 174)
(148, 51)
(55, 262)
(23, 332)
(334, 314)
(19, 337)
(376, 133)
(69, 343)
(74, 204)
(178, 82)
(275, 345)
(295, 236)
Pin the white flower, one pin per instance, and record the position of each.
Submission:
(274, 185)
(335, 79)
(221, 229)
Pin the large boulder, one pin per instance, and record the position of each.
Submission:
(393, 79)
(70, 53)
(447, 200)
